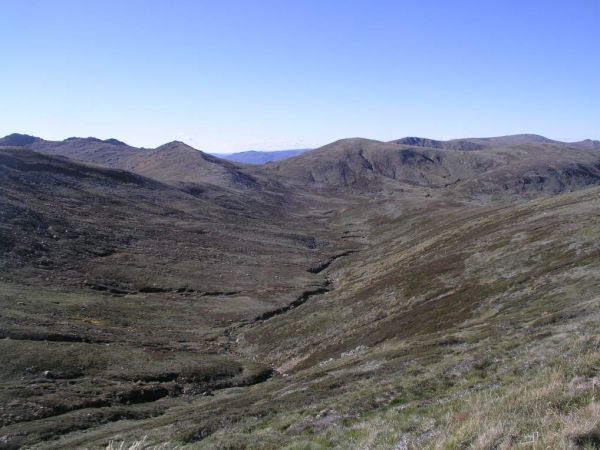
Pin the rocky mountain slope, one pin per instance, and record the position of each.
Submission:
(362, 295)
(528, 166)
(107, 153)
(18, 140)
(493, 142)
(177, 162)
(174, 162)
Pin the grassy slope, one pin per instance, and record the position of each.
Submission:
(475, 327)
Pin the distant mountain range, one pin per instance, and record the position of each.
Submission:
(504, 165)
(261, 157)
(246, 157)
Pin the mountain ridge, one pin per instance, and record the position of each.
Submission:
(489, 142)
(510, 170)
(474, 167)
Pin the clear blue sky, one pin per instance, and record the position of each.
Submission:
(233, 75)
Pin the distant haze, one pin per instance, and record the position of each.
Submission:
(261, 157)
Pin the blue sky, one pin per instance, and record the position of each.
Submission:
(235, 75)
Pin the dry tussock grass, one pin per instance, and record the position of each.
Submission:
(552, 410)
(141, 444)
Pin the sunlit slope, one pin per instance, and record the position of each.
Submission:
(445, 311)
